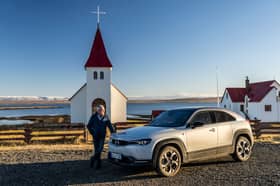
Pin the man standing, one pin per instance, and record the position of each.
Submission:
(97, 127)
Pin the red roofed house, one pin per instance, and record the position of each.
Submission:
(258, 100)
(98, 88)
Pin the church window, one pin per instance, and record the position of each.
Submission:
(95, 75)
(101, 75)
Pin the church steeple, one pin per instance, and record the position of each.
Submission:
(98, 55)
(98, 88)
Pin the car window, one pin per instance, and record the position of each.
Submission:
(223, 117)
(202, 117)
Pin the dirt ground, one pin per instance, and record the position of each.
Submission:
(69, 165)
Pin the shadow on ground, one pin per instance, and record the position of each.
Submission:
(78, 172)
(69, 172)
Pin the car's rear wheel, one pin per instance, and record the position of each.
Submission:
(168, 161)
(243, 149)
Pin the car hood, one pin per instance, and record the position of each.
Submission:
(141, 132)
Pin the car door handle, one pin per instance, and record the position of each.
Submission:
(212, 130)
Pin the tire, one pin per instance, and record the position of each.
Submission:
(168, 162)
(243, 149)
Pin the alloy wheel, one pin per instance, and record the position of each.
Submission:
(169, 161)
(243, 149)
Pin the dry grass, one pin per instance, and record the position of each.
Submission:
(40, 133)
(275, 139)
(10, 131)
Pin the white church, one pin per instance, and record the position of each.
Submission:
(98, 88)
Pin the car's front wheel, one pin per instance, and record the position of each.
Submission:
(243, 149)
(168, 161)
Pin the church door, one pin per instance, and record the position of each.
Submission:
(97, 102)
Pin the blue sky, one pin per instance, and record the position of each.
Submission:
(158, 48)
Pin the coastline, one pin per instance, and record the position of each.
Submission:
(59, 111)
(176, 100)
(171, 100)
(29, 107)
(31, 102)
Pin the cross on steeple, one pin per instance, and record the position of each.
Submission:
(98, 13)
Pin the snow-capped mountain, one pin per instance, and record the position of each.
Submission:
(179, 96)
(32, 98)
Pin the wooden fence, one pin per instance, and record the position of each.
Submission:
(265, 128)
(35, 132)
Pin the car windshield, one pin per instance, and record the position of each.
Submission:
(172, 118)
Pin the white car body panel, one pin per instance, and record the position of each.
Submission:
(225, 134)
(201, 138)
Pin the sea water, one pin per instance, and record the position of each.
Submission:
(64, 109)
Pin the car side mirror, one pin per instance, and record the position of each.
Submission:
(196, 124)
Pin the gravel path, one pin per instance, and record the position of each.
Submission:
(71, 167)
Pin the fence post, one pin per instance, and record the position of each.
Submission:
(258, 129)
(27, 134)
(85, 133)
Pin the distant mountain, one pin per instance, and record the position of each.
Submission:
(32, 99)
(171, 99)
(58, 99)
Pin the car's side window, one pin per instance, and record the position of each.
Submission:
(223, 117)
(201, 118)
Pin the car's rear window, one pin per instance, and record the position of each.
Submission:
(223, 117)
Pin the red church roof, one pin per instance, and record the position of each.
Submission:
(256, 91)
(98, 56)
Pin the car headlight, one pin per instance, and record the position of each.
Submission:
(142, 141)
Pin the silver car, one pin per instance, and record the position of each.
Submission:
(182, 136)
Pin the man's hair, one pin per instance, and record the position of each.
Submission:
(101, 107)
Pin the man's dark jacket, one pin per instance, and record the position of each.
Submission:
(97, 127)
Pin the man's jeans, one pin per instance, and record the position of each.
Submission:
(98, 147)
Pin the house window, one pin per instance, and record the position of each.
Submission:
(242, 108)
(225, 106)
(101, 75)
(227, 95)
(95, 76)
(267, 108)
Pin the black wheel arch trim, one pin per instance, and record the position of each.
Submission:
(241, 132)
(182, 149)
